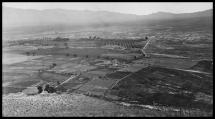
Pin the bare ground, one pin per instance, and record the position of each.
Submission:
(56, 105)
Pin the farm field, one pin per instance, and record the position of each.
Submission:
(171, 84)
(116, 71)
(140, 81)
(107, 60)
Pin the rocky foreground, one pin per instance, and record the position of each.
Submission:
(58, 105)
(65, 105)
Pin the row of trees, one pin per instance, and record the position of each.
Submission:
(75, 55)
(29, 53)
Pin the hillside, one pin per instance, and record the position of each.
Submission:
(204, 65)
(67, 105)
(164, 86)
(13, 17)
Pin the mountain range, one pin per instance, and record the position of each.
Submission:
(15, 18)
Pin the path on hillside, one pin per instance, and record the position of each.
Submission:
(70, 78)
(121, 80)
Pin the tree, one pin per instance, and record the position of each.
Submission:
(58, 83)
(66, 45)
(40, 89)
(27, 53)
(54, 64)
(187, 85)
(146, 37)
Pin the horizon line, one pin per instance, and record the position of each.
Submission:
(104, 11)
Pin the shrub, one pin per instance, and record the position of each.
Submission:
(187, 85)
(28, 53)
(40, 89)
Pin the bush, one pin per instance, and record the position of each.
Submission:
(49, 89)
(187, 85)
(54, 64)
(33, 53)
(40, 89)
(28, 53)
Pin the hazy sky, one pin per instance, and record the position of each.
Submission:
(139, 8)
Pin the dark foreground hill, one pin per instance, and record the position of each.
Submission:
(204, 65)
(170, 87)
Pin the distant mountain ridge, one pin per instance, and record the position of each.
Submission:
(14, 18)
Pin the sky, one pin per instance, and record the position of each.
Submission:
(138, 8)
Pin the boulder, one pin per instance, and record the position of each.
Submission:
(31, 91)
(44, 92)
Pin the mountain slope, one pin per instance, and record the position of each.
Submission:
(69, 19)
(19, 17)
(166, 15)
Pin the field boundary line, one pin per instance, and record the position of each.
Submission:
(120, 80)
